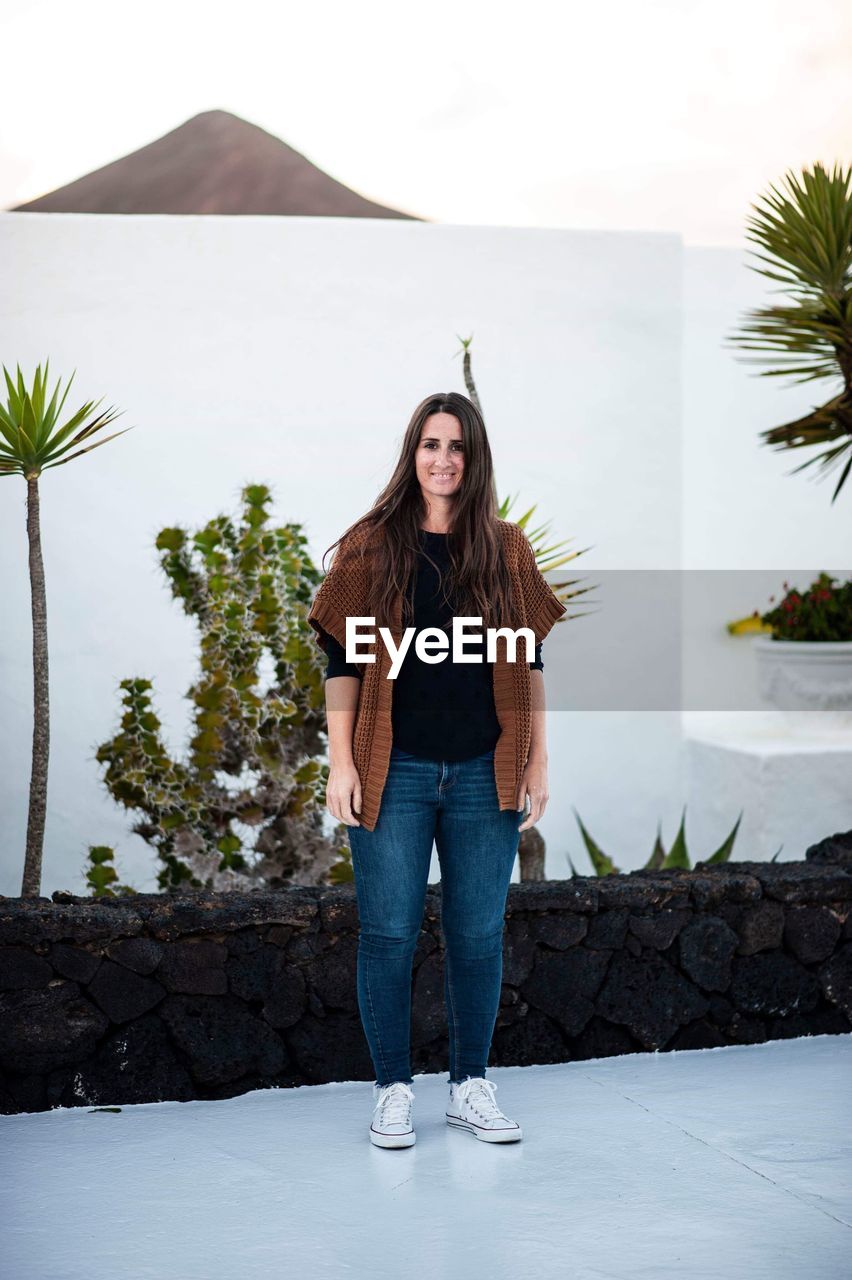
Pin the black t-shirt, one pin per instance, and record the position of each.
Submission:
(442, 710)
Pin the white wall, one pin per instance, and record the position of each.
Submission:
(293, 351)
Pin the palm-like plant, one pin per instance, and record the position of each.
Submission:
(804, 236)
(531, 846)
(546, 554)
(30, 442)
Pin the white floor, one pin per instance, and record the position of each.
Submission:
(719, 1163)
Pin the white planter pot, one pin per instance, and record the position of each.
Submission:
(809, 680)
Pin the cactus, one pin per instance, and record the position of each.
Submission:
(245, 807)
(101, 875)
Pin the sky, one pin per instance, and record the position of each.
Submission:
(669, 115)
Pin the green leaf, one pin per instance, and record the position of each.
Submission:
(678, 855)
(843, 476)
(88, 449)
(723, 853)
(602, 863)
(14, 397)
(99, 853)
(658, 853)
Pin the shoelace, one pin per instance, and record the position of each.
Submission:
(394, 1103)
(480, 1093)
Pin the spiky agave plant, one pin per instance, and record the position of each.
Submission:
(803, 234)
(30, 442)
(676, 857)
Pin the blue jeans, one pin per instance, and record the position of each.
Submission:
(455, 805)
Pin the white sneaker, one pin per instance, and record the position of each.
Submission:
(391, 1125)
(472, 1107)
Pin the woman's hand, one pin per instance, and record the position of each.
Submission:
(533, 786)
(343, 793)
(343, 789)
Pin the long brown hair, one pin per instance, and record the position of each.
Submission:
(481, 583)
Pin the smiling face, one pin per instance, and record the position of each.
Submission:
(439, 460)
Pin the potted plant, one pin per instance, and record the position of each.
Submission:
(804, 659)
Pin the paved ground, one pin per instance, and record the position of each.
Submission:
(724, 1163)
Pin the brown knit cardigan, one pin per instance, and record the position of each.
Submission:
(343, 593)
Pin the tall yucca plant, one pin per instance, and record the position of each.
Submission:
(804, 236)
(30, 442)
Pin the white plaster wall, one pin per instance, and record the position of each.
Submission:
(293, 351)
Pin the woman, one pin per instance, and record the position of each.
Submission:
(446, 751)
